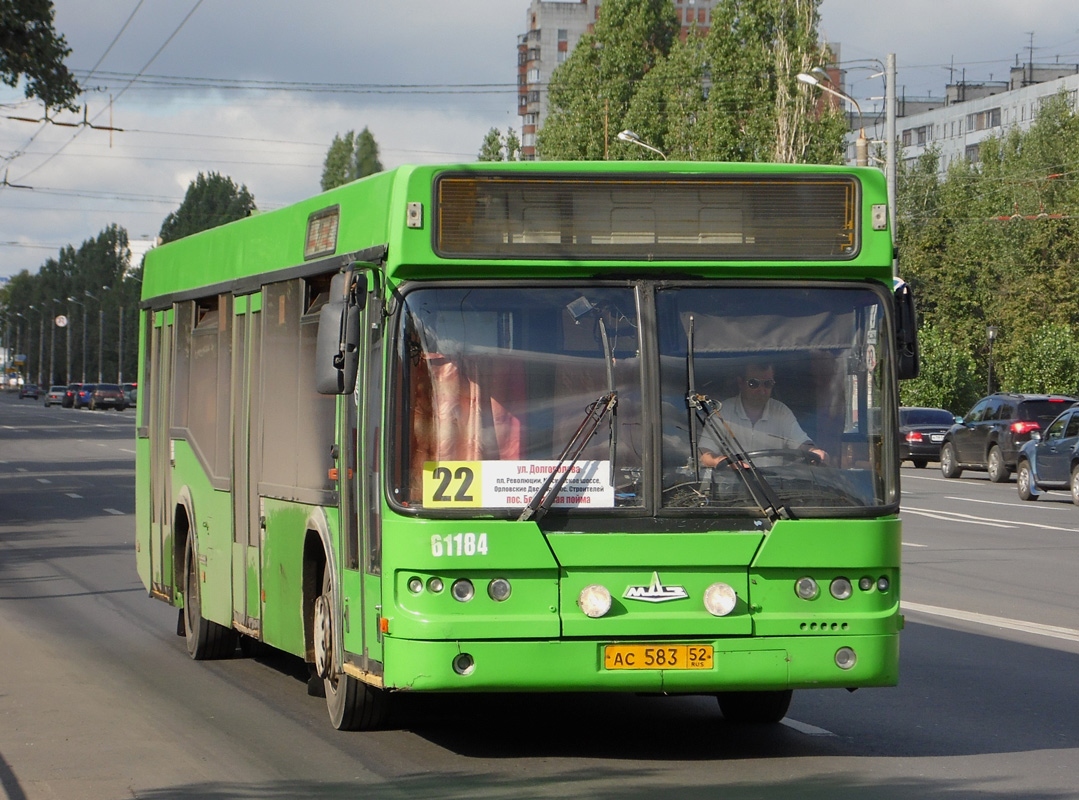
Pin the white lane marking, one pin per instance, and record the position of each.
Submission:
(113, 511)
(74, 496)
(912, 544)
(1053, 631)
(955, 516)
(1019, 504)
(951, 516)
(126, 450)
(43, 480)
(806, 728)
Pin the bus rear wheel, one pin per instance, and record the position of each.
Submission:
(755, 707)
(352, 704)
(205, 639)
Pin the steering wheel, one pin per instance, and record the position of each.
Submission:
(788, 455)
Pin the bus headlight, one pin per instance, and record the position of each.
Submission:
(846, 658)
(807, 588)
(463, 590)
(594, 600)
(720, 599)
(499, 589)
(841, 589)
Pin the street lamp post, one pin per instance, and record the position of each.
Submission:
(83, 337)
(861, 146)
(991, 333)
(100, 335)
(632, 138)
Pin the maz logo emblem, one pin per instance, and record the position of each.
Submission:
(655, 592)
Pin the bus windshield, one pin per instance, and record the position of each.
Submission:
(492, 384)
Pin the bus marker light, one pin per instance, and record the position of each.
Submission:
(720, 599)
(384, 624)
(463, 590)
(846, 658)
(883, 584)
(594, 600)
(463, 664)
(807, 588)
(499, 589)
(865, 584)
(841, 589)
(415, 585)
(435, 586)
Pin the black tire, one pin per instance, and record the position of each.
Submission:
(994, 462)
(949, 465)
(1024, 481)
(206, 639)
(755, 708)
(352, 704)
(919, 463)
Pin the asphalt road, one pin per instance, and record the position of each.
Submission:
(98, 698)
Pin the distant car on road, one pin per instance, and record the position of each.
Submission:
(107, 395)
(131, 394)
(82, 396)
(29, 390)
(921, 432)
(1051, 461)
(55, 395)
(71, 395)
(991, 433)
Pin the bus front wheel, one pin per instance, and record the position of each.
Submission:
(353, 705)
(755, 707)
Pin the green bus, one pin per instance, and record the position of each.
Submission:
(482, 427)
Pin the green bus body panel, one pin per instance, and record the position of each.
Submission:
(282, 573)
(212, 525)
(568, 665)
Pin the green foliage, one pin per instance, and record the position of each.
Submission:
(211, 200)
(31, 49)
(1047, 360)
(349, 158)
(995, 244)
(590, 93)
(948, 377)
(730, 95)
(497, 148)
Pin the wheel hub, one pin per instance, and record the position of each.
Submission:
(323, 637)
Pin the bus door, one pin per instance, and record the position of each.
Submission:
(161, 570)
(246, 517)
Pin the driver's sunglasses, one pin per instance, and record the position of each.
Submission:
(754, 383)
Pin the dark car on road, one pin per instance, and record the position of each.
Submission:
(107, 395)
(989, 436)
(82, 396)
(55, 395)
(921, 432)
(29, 390)
(71, 395)
(131, 394)
(1051, 461)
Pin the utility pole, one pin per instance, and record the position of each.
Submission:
(889, 149)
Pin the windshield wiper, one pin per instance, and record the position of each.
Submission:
(601, 407)
(706, 410)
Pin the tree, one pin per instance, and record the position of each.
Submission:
(591, 91)
(497, 148)
(733, 95)
(948, 376)
(211, 200)
(349, 158)
(31, 49)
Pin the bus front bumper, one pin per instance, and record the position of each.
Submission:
(795, 662)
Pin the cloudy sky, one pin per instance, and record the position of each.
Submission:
(257, 89)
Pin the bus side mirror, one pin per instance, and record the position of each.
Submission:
(337, 353)
(906, 333)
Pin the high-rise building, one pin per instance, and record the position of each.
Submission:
(554, 27)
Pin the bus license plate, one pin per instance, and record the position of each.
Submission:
(657, 656)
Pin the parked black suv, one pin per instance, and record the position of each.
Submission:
(991, 433)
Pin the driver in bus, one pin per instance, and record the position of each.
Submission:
(759, 421)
